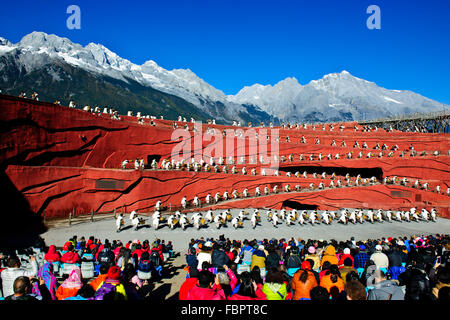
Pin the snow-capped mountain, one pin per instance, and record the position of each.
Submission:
(336, 97)
(37, 49)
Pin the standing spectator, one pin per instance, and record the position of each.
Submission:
(385, 289)
(70, 286)
(13, 271)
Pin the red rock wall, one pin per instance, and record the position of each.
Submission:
(54, 156)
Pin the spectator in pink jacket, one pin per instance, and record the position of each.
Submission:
(208, 288)
(227, 280)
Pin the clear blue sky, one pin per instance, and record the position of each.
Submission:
(234, 43)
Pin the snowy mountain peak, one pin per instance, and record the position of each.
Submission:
(334, 97)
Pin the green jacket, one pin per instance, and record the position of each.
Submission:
(275, 291)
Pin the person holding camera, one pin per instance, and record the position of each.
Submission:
(13, 271)
(22, 288)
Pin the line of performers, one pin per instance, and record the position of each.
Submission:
(199, 220)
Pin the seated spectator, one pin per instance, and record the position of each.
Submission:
(189, 283)
(112, 288)
(443, 279)
(361, 258)
(95, 284)
(381, 259)
(86, 255)
(70, 286)
(302, 283)
(218, 256)
(347, 268)
(123, 258)
(332, 279)
(131, 282)
(329, 255)
(22, 290)
(204, 254)
(258, 258)
(416, 280)
(346, 255)
(191, 258)
(52, 255)
(106, 256)
(255, 274)
(70, 256)
(312, 254)
(319, 294)
(50, 281)
(385, 289)
(13, 271)
(273, 258)
(355, 290)
(274, 287)
(248, 289)
(86, 292)
(208, 288)
(145, 265)
(227, 280)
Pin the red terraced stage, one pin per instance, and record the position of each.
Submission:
(60, 158)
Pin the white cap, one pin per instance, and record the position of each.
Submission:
(346, 251)
(378, 247)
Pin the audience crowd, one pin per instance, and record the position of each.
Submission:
(83, 269)
(404, 268)
(412, 268)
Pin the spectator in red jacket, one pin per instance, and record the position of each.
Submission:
(208, 288)
(70, 256)
(52, 255)
(158, 248)
(189, 283)
(344, 256)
